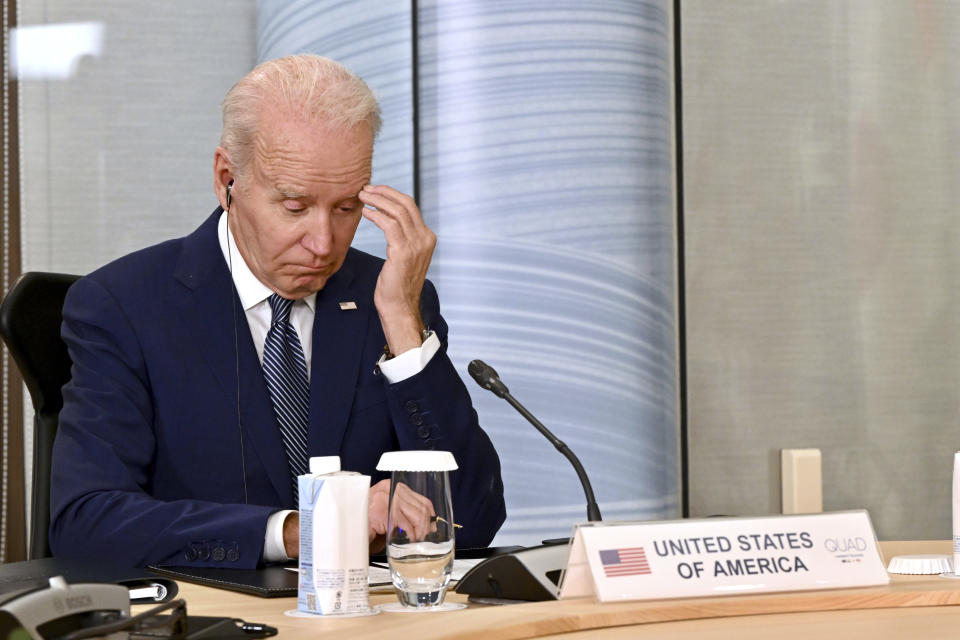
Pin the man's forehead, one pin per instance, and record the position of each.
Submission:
(347, 147)
(297, 175)
(276, 121)
(291, 168)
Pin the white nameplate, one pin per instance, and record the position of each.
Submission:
(722, 556)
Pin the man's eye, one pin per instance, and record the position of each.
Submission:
(294, 206)
(348, 208)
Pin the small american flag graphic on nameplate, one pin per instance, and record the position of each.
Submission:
(629, 561)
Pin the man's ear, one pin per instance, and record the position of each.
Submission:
(223, 177)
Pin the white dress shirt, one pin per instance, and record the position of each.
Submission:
(254, 297)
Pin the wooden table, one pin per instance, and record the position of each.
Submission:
(911, 606)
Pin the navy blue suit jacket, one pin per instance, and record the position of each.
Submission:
(168, 449)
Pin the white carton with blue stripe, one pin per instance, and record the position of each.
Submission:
(334, 540)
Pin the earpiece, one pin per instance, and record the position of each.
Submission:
(236, 353)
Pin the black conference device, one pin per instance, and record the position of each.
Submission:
(531, 574)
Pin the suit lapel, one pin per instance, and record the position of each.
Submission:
(211, 312)
(338, 339)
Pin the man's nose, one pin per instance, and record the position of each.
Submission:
(318, 235)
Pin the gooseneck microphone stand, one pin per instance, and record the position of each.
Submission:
(487, 378)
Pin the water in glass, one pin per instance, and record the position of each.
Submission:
(420, 541)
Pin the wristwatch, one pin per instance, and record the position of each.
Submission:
(388, 355)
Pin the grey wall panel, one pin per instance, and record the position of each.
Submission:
(821, 164)
(119, 155)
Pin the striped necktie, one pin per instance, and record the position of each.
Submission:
(285, 371)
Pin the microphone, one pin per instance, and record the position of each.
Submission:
(487, 377)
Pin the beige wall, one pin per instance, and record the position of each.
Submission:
(821, 170)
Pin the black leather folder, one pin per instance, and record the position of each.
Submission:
(273, 581)
(33, 574)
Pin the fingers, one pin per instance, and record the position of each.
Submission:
(392, 203)
(396, 214)
(377, 509)
(410, 245)
(413, 513)
(421, 503)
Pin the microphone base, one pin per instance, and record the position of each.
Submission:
(528, 575)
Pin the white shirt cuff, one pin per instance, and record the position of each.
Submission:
(273, 548)
(409, 363)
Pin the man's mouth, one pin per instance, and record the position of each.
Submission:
(306, 269)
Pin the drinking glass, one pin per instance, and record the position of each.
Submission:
(420, 529)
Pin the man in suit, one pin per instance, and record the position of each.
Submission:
(207, 369)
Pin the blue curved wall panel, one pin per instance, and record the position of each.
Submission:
(546, 170)
(373, 39)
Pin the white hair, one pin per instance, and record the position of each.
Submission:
(320, 89)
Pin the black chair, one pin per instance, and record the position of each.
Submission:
(30, 317)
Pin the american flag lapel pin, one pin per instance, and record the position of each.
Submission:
(349, 305)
